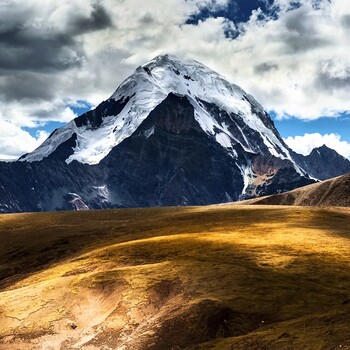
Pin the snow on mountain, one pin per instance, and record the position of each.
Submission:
(173, 133)
(147, 88)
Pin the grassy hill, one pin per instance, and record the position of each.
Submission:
(218, 277)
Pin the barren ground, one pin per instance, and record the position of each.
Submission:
(219, 277)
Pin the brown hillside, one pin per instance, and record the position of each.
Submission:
(333, 192)
(244, 277)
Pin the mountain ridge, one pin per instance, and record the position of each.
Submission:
(173, 133)
(332, 192)
(323, 163)
(138, 95)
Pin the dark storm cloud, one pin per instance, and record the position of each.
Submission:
(302, 35)
(34, 55)
(303, 43)
(31, 49)
(147, 19)
(329, 82)
(265, 67)
(21, 86)
(26, 47)
(98, 19)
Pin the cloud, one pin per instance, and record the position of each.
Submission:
(98, 19)
(265, 67)
(308, 44)
(305, 144)
(345, 21)
(334, 75)
(294, 58)
(33, 44)
(14, 141)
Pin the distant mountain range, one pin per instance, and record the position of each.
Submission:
(173, 133)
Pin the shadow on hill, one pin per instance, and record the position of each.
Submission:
(238, 280)
(237, 294)
(333, 221)
(36, 241)
(232, 289)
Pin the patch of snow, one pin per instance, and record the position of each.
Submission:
(228, 197)
(78, 202)
(149, 132)
(50, 144)
(247, 175)
(102, 193)
(224, 140)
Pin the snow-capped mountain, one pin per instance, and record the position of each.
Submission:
(173, 133)
(138, 95)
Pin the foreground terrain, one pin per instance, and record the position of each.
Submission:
(219, 277)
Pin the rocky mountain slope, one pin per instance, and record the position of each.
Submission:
(332, 192)
(173, 133)
(323, 163)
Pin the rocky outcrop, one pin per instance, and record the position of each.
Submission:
(333, 192)
(323, 163)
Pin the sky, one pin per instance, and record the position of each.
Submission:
(61, 58)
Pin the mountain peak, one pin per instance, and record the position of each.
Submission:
(174, 133)
(219, 106)
(323, 163)
(165, 59)
(324, 149)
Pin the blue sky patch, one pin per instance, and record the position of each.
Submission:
(296, 127)
(48, 127)
(79, 108)
(237, 11)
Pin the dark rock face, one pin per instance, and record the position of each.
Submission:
(65, 149)
(323, 163)
(44, 186)
(274, 175)
(169, 160)
(106, 108)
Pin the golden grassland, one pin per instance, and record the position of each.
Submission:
(217, 277)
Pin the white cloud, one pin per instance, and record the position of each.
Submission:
(309, 48)
(305, 144)
(15, 141)
(295, 65)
